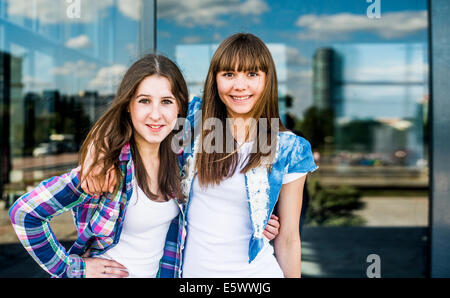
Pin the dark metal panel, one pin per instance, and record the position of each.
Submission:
(440, 142)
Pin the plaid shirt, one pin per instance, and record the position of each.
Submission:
(98, 219)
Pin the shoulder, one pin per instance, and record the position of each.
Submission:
(194, 107)
(290, 141)
(195, 104)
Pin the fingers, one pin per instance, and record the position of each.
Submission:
(103, 268)
(106, 184)
(114, 264)
(272, 228)
(113, 272)
(113, 182)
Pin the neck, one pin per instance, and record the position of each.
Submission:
(148, 152)
(243, 128)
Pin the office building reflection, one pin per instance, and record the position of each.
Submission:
(378, 119)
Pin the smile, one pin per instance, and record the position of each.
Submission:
(155, 128)
(240, 98)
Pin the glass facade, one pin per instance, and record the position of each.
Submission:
(353, 79)
(60, 65)
(356, 86)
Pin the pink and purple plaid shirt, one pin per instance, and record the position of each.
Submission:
(98, 219)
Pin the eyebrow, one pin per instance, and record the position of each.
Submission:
(148, 95)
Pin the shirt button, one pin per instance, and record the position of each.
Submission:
(111, 213)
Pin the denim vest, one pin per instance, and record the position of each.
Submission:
(293, 155)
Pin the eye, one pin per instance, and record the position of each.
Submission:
(253, 74)
(143, 100)
(167, 101)
(228, 74)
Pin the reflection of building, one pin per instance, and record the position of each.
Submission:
(323, 78)
(373, 99)
(5, 99)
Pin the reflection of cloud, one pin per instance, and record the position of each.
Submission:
(416, 71)
(108, 78)
(295, 58)
(130, 8)
(79, 69)
(53, 12)
(132, 51)
(208, 12)
(192, 39)
(338, 26)
(79, 42)
(33, 83)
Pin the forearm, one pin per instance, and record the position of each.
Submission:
(288, 254)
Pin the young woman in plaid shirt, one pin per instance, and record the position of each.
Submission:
(137, 229)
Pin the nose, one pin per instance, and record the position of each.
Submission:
(155, 112)
(240, 82)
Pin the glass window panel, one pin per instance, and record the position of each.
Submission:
(58, 73)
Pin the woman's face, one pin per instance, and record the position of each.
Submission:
(240, 90)
(153, 110)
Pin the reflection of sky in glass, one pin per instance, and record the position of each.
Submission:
(369, 102)
(301, 27)
(402, 62)
(71, 55)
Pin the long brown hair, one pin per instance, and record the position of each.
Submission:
(114, 129)
(241, 52)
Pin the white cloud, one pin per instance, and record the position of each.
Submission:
(33, 83)
(54, 12)
(295, 58)
(79, 42)
(414, 72)
(192, 39)
(339, 26)
(208, 12)
(108, 78)
(79, 69)
(130, 8)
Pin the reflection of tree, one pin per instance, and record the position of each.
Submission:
(357, 134)
(318, 127)
(68, 118)
(333, 206)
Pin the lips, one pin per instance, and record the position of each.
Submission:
(155, 127)
(240, 98)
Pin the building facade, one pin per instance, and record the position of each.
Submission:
(354, 78)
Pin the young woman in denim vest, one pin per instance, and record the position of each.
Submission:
(232, 184)
(232, 190)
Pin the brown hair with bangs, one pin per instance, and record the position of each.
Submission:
(114, 129)
(239, 52)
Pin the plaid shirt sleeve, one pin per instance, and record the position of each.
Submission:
(30, 216)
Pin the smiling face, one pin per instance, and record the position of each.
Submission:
(240, 90)
(153, 111)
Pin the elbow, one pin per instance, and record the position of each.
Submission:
(15, 212)
(287, 239)
(20, 211)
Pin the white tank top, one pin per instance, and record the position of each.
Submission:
(219, 231)
(145, 226)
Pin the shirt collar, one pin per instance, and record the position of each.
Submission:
(125, 153)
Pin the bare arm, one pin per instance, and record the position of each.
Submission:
(287, 244)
